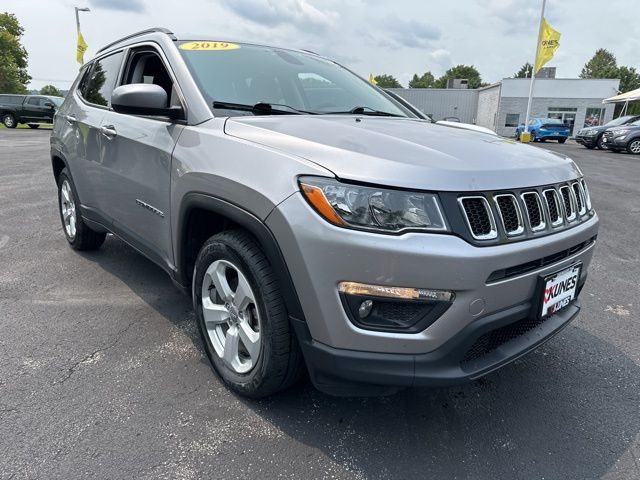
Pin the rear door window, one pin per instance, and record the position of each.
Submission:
(102, 80)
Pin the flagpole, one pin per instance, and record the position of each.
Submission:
(533, 70)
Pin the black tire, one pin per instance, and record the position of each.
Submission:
(633, 147)
(600, 144)
(9, 121)
(280, 363)
(84, 238)
(562, 140)
(34, 125)
(533, 136)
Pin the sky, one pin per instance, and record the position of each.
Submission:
(398, 37)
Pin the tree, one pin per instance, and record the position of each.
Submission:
(461, 71)
(629, 79)
(387, 81)
(51, 91)
(13, 56)
(427, 80)
(524, 72)
(602, 65)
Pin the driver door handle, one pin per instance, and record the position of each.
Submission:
(108, 131)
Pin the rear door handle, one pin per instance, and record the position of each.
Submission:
(108, 131)
(70, 119)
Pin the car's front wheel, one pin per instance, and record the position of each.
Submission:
(9, 121)
(600, 143)
(242, 316)
(78, 234)
(634, 146)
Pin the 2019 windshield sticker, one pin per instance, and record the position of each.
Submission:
(208, 46)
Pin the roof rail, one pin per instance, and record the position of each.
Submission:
(137, 34)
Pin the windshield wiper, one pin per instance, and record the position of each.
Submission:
(261, 108)
(366, 111)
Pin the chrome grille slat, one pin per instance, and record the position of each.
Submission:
(568, 203)
(553, 206)
(535, 213)
(509, 213)
(479, 217)
(579, 196)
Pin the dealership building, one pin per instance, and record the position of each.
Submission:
(503, 105)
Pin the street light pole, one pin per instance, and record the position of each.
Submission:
(85, 9)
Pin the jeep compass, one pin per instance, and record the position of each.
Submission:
(317, 223)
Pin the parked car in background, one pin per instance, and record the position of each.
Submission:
(591, 137)
(624, 137)
(542, 129)
(448, 123)
(30, 109)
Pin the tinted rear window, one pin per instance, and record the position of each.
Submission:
(11, 99)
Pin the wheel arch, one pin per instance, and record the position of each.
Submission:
(58, 163)
(218, 215)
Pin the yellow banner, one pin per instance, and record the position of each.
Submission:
(82, 47)
(549, 43)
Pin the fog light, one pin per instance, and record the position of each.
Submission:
(393, 309)
(365, 308)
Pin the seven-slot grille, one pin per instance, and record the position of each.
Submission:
(530, 210)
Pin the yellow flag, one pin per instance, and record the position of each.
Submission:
(372, 79)
(549, 43)
(82, 47)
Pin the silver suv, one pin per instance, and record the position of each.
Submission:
(319, 224)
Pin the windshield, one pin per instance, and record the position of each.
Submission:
(250, 74)
(618, 121)
(635, 124)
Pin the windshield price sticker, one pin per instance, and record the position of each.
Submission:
(208, 46)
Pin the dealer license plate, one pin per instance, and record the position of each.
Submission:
(559, 290)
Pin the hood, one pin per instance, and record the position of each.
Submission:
(406, 153)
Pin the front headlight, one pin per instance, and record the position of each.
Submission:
(620, 131)
(591, 132)
(373, 208)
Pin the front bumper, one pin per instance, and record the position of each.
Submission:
(483, 346)
(616, 143)
(587, 141)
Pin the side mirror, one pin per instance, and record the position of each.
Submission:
(143, 99)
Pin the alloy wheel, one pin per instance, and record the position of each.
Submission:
(231, 316)
(8, 121)
(634, 147)
(68, 207)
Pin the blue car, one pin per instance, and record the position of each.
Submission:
(542, 129)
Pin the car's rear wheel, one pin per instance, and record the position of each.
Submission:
(34, 125)
(562, 140)
(9, 121)
(242, 316)
(78, 234)
(634, 146)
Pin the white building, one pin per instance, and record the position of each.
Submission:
(578, 102)
(503, 105)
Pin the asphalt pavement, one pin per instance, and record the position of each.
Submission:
(103, 375)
